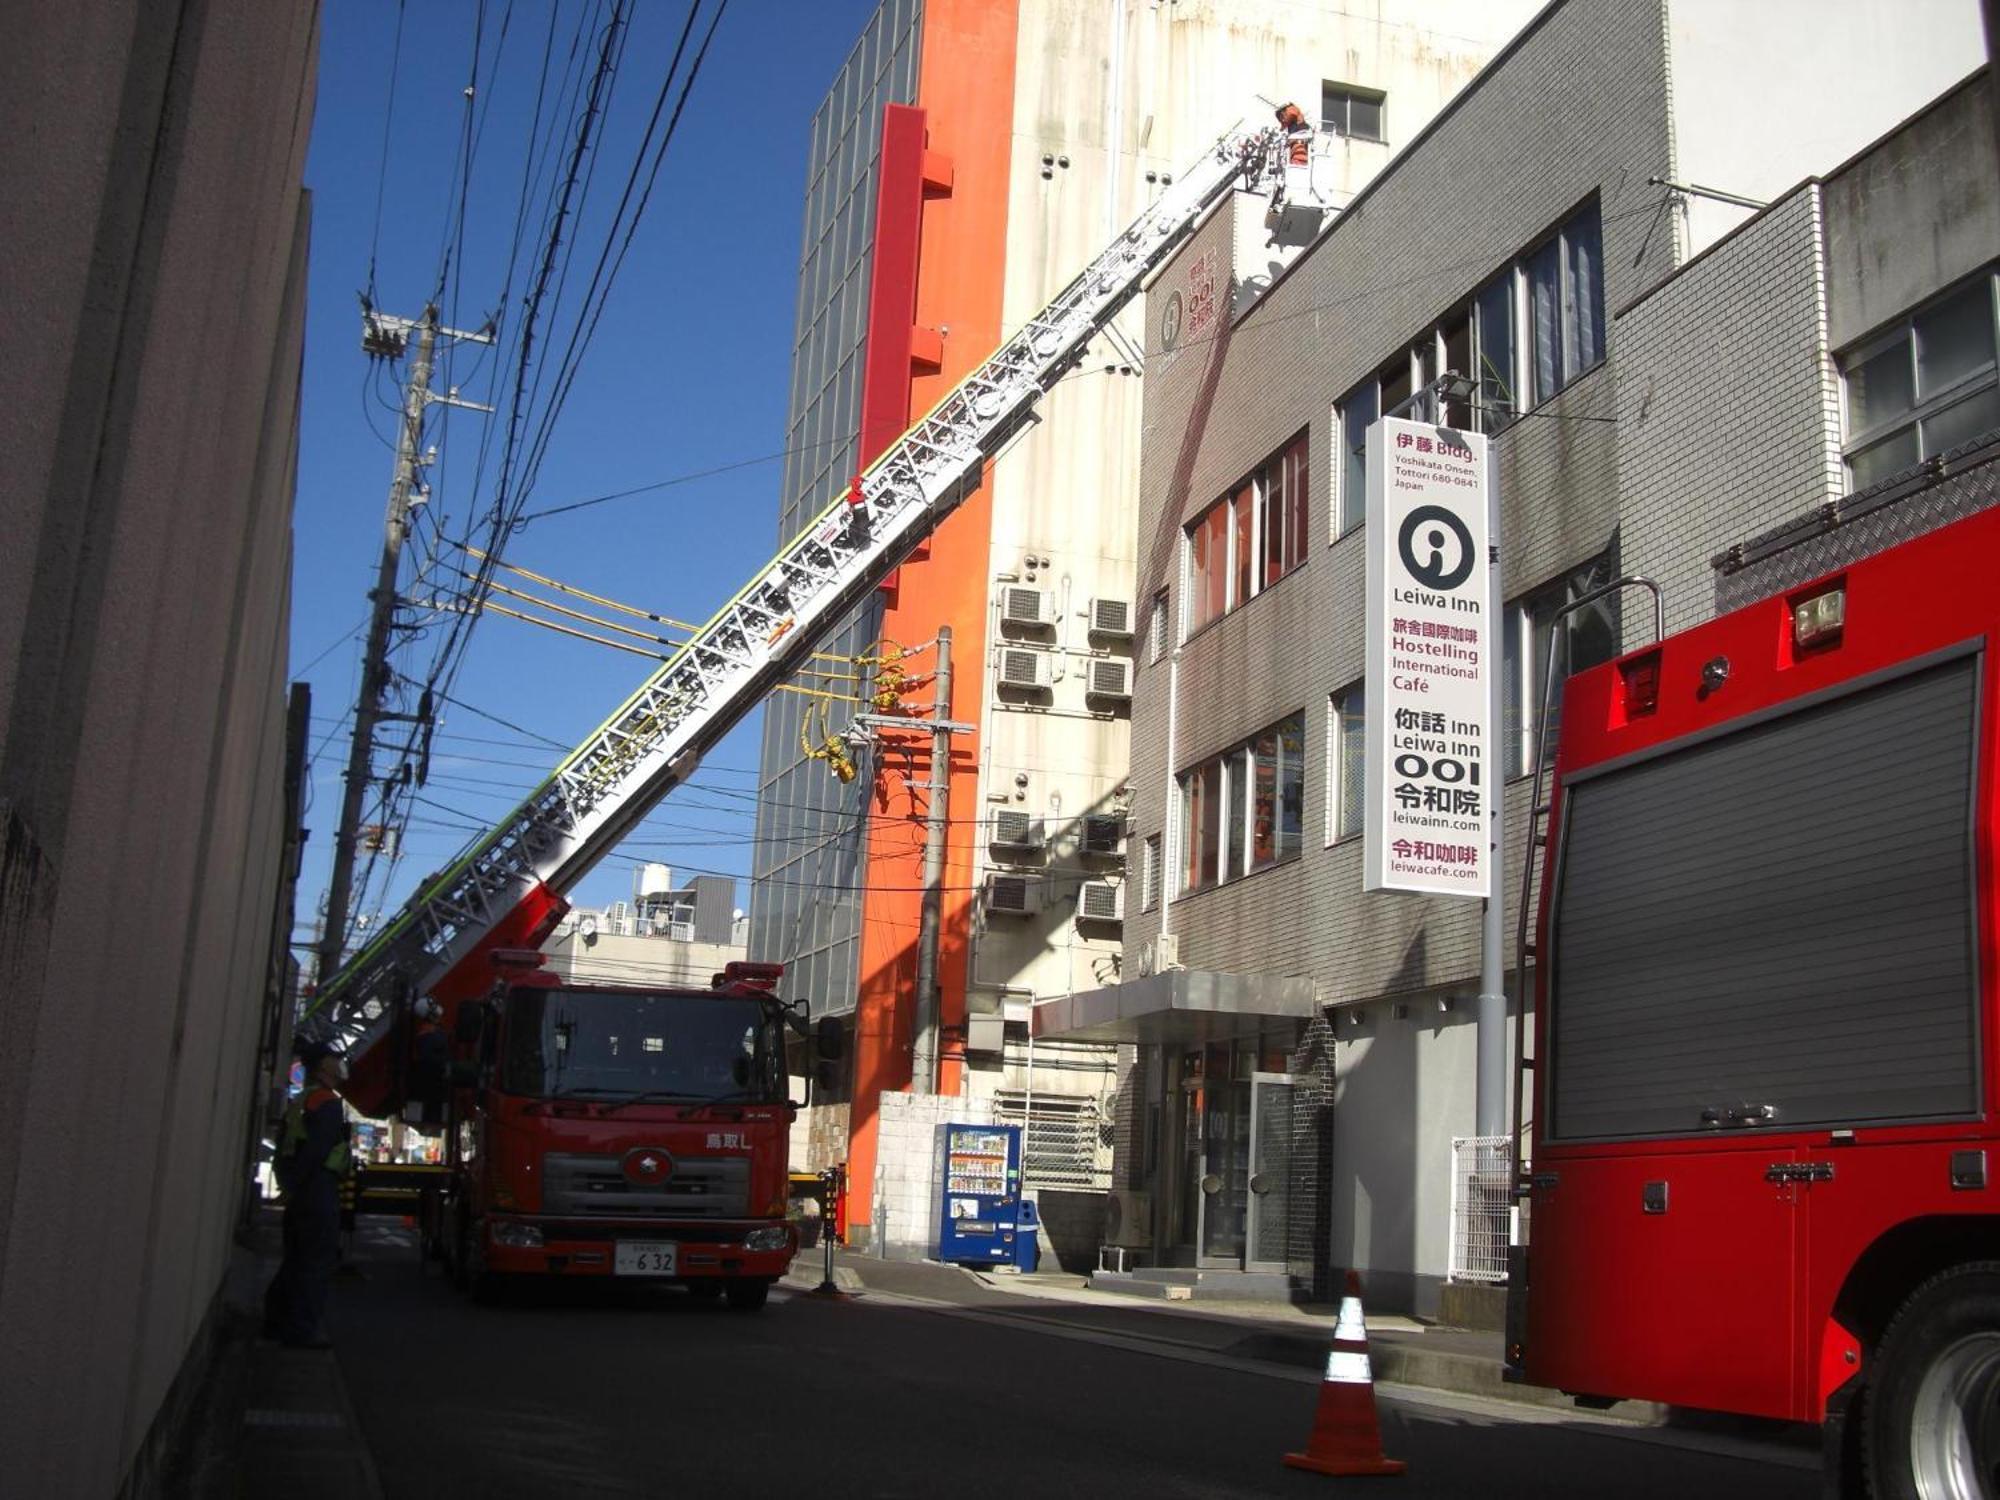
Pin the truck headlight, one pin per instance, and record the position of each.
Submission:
(772, 1237)
(517, 1236)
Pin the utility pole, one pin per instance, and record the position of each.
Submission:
(937, 823)
(924, 1058)
(383, 335)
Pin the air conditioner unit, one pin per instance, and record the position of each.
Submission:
(1100, 901)
(1021, 605)
(1128, 1218)
(1103, 833)
(1160, 954)
(1015, 830)
(1026, 671)
(1110, 677)
(1010, 895)
(1111, 617)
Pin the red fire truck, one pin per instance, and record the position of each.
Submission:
(617, 1131)
(1761, 1169)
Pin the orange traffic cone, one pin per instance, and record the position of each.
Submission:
(1346, 1437)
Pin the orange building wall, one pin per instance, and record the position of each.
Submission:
(966, 88)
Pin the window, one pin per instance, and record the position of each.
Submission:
(1347, 764)
(1149, 874)
(1249, 539)
(1352, 112)
(1561, 286)
(1923, 387)
(1566, 304)
(1590, 637)
(1156, 628)
(1244, 810)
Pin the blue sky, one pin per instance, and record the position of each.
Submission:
(687, 372)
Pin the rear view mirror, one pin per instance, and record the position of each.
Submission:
(825, 1077)
(828, 1039)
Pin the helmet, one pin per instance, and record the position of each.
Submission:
(429, 1010)
(313, 1050)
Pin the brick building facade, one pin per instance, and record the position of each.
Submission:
(1662, 376)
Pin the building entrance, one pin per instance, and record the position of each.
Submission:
(1231, 1105)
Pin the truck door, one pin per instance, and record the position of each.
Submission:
(1669, 1276)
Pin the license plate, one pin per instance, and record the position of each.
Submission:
(645, 1258)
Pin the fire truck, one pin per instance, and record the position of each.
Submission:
(1760, 1174)
(597, 1130)
(507, 889)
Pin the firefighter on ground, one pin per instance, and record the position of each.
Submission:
(312, 1157)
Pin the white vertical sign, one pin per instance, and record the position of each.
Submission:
(1431, 639)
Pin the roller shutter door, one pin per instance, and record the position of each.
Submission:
(1781, 916)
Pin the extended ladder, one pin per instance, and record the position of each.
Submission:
(657, 736)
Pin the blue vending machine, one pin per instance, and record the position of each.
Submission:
(980, 1173)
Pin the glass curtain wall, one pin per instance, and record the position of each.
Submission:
(809, 862)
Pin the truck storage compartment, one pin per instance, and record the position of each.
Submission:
(1773, 927)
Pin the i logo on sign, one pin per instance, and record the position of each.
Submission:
(1441, 557)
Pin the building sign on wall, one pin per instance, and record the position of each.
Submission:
(1431, 640)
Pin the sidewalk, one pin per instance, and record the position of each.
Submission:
(1403, 1351)
(274, 1421)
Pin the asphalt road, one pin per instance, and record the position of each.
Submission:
(643, 1391)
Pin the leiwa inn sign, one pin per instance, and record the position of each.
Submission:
(1429, 738)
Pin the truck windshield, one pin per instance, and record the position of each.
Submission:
(673, 1046)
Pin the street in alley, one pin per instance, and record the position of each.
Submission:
(924, 1381)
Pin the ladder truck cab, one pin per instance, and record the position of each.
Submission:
(1763, 1169)
(617, 1130)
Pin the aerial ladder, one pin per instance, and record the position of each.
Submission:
(506, 890)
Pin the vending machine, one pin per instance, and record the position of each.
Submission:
(979, 1170)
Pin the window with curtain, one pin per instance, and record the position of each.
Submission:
(1347, 764)
(1244, 810)
(1249, 539)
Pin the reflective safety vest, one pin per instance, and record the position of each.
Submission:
(338, 1161)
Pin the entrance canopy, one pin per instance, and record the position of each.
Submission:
(1179, 1007)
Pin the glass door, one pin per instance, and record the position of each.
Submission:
(1270, 1174)
(1225, 1181)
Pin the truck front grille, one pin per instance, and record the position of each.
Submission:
(702, 1187)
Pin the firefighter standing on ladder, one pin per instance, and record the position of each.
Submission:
(312, 1157)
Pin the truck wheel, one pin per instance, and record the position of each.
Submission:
(707, 1289)
(748, 1296)
(1931, 1412)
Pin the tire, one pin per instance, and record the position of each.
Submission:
(747, 1296)
(1931, 1410)
(707, 1289)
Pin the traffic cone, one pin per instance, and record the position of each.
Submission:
(1346, 1437)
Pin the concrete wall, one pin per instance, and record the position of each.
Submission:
(904, 1226)
(1917, 215)
(154, 299)
(1751, 86)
